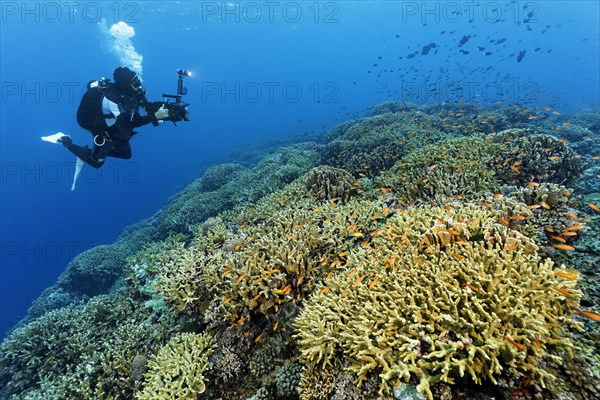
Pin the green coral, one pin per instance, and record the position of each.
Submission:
(94, 271)
(528, 156)
(176, 371)
(217, 176)
(453, 168)
(367, 146)
(288, 379)
(262, 362)
(438, 307)
(83, 351)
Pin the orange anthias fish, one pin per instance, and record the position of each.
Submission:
(564, 247)
(563, 292)
(594, 207)
(324, 290)
(517, 345)
(565, 275)
(588, 314)
(359, 280)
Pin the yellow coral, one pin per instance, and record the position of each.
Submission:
(444, 293)
(283, 253)
(175, 372)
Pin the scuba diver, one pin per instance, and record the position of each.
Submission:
(110, 111)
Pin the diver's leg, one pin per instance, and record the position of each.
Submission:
(84, 153)
(100, 153)
(121, 150)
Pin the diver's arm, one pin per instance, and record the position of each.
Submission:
(138, 120)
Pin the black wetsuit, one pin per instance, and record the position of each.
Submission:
(113, 129)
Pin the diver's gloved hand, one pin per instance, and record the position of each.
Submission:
(66, 140)
(162, 113)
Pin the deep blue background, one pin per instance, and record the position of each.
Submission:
(329, 55)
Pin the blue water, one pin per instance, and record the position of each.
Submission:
(260, 70)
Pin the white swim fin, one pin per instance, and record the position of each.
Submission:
(53, 138)
(78, 167)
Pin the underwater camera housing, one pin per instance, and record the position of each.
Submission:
(178, 110)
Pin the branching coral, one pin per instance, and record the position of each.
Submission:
(176, 371)
(80, 351)
(283, 254)
(528, 157)
(316, 383)
(453, 168)
(370, 145)
(326, 183)
(438, 308)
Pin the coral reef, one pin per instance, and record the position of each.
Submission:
(227, 363)
(368, 146)
(195, 204)
(475, 301)
(288, 379)
(440, 251)
(94, 271)
(316, 383)
(262, 362)
(530, 157)
(457, 167)
(393, 107)
(326, 183)
(80, 351)
(217, 176)
(176, 371)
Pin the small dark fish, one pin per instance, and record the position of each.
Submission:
(412, 55)
(464, 51)
(397, 36)
(488, 53)
(521, 56)
(499, 41)
(379, 57)
(464, 40)
(427, 49)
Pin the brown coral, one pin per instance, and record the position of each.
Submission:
(326, 183)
